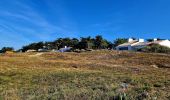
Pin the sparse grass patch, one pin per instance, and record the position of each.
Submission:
(89, 75)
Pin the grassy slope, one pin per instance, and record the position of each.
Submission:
(91, 75)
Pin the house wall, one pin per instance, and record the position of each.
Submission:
(124, 48)
(135, 48)
(165, 43)
(129, 47)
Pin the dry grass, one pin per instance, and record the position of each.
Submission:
(88, 75)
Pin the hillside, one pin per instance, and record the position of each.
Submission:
(89, 75)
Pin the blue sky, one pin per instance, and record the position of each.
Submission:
(26, 21)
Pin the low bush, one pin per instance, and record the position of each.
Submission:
(156, 49)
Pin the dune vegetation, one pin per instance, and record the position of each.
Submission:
(99, 75)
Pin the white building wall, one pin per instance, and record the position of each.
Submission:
(165, 43)
(141, 40)
(129, 47)
(119, 47)
(130, 40)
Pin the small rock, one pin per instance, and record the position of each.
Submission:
(154, 66)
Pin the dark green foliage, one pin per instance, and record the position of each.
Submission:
(61, 42)
(49, 45)
(101, 43)
(75, 42)
(84, 43)
(98, 41)
(156, 49)
(150, 40)
(34, 46)
(4, 49)
(120, 41)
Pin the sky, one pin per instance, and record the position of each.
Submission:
(26, 21)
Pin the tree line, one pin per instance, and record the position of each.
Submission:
(83, 43)
(98, 42)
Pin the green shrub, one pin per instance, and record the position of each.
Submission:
(156, 49)
(4, 49)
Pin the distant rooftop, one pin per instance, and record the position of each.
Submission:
(140, 42)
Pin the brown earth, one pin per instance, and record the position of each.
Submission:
(88, 75)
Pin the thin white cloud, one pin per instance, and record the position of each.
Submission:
(27, 24)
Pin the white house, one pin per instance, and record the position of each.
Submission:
(65, 49)
(132, 44)
(165, 43)
(140, 43)
(31, 50)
